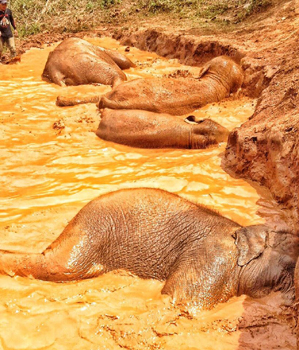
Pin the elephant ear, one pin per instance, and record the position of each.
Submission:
(251, 242)
(204, 70)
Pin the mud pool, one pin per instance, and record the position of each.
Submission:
(52, 164)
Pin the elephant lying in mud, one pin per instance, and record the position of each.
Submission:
(75, 61)
(152, 233)
(219, 77)
(145, 129)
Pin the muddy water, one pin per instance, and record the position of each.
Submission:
(51, 165)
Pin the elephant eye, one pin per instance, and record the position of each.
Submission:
(191, 118)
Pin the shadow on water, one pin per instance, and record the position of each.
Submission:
(52, 164)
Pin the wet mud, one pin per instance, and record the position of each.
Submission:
(52, 164)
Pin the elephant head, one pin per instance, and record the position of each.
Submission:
(266, 259)
(213, 131)
(225, 71)
(146, 129)
(250, 260)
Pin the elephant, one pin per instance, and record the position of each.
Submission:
(201, 256)
(218, 78)
(75, 61)
(146, 129)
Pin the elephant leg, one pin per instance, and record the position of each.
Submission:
(20, 264)
(116, 81)
(204, 284)
(182, 283)
(63, 101)
(105, 102)
(47, 266)
(68, 258)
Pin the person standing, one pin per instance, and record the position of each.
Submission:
(6, 34)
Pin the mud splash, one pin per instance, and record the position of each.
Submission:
(52, 164)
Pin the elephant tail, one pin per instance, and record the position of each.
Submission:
(63, 101)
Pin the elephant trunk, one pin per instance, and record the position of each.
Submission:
(206, 132)
(197, 141)
(62, 101)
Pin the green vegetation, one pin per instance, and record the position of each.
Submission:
(34, 16)
(253, 7)
(59, 15)
(206, 8)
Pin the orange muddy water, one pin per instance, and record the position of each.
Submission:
(52, 164)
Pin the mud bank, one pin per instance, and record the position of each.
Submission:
(265, 148)
(195, 50)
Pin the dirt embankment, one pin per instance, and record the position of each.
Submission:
(266, 148)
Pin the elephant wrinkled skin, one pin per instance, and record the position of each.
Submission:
(219, 77)
(146, 129)
(75, 61)
(200, 255)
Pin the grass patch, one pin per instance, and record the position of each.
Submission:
(254, 6)
(34, 16)
(213, 10)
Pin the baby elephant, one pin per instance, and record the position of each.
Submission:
(145, 129)
(200, 255)
(218, 78)
(75, 61)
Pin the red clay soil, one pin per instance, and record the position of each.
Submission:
(266, 148)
